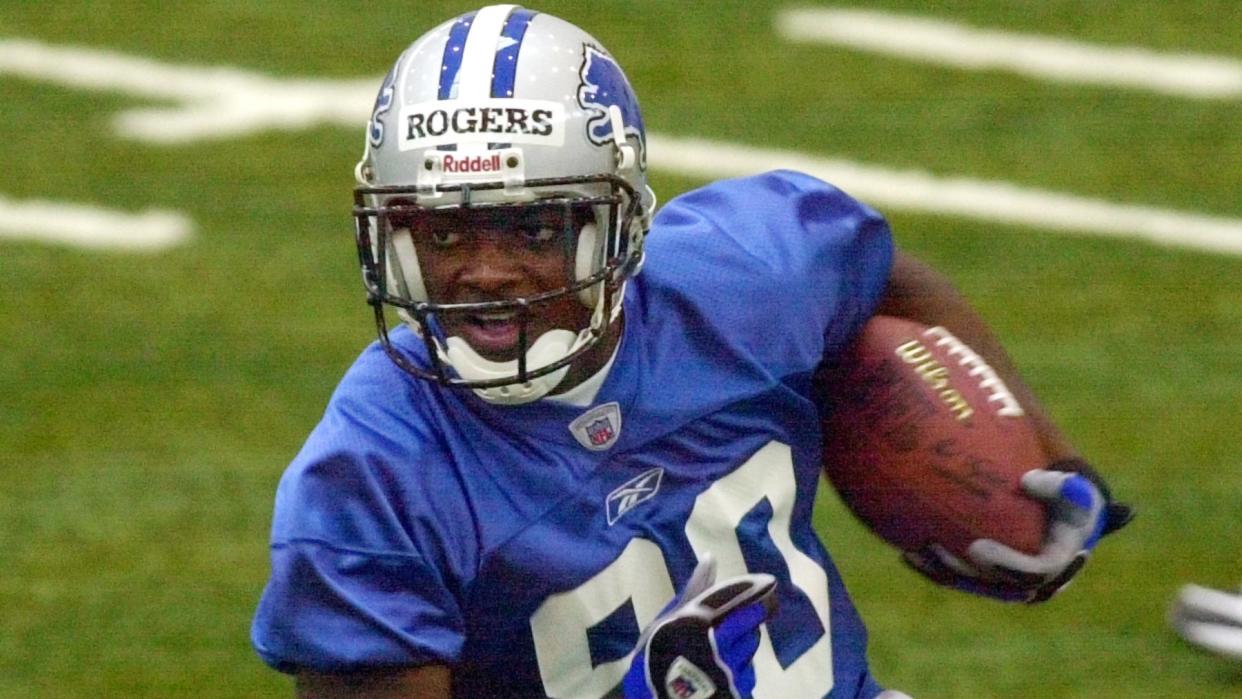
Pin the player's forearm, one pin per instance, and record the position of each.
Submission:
(920, 293)
(424, 682)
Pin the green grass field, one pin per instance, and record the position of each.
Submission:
(149, 401)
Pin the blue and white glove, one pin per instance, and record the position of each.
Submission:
(702, 644)
(1080, 512)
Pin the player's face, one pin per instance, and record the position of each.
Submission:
(477, 255)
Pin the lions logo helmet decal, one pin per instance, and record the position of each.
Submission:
(604, 85)
(383, 102)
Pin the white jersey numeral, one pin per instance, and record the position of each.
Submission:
(559, 625)
(640, 575)
(768, 474)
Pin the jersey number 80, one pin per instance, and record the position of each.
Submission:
(640, 575)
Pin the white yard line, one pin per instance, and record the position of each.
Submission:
(1001, 202)
(92, 227)
(215, 103)
(209, 102)
(1049, 58)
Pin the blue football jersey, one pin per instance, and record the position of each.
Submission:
(527, 546)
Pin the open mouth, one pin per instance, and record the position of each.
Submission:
(493, 335)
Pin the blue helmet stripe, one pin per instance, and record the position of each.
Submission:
(504, 73)
(454, 49)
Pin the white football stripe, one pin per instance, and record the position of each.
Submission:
(92, 227)
(1049, 58)
(979, 199)
(479, 56)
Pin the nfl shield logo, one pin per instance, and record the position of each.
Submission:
(597, 429)
(600, 432)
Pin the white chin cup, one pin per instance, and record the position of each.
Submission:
(550, 347)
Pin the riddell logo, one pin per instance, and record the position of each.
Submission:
(476, 163)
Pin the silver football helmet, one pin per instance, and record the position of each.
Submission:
(504, 108)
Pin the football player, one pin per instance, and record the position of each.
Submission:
(511, 485)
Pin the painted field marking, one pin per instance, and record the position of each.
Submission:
(210, 102)
(1000, 202)
(92, 227)
(215, 103)
(961, 46)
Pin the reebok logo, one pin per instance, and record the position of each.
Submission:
(633, 493)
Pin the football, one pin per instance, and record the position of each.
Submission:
(925, 443)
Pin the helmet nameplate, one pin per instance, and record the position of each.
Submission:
(508, 120)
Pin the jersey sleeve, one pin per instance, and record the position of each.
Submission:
(353, 584)
(333, 610)
(781, 266)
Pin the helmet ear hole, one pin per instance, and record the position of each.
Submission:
(587, 261)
